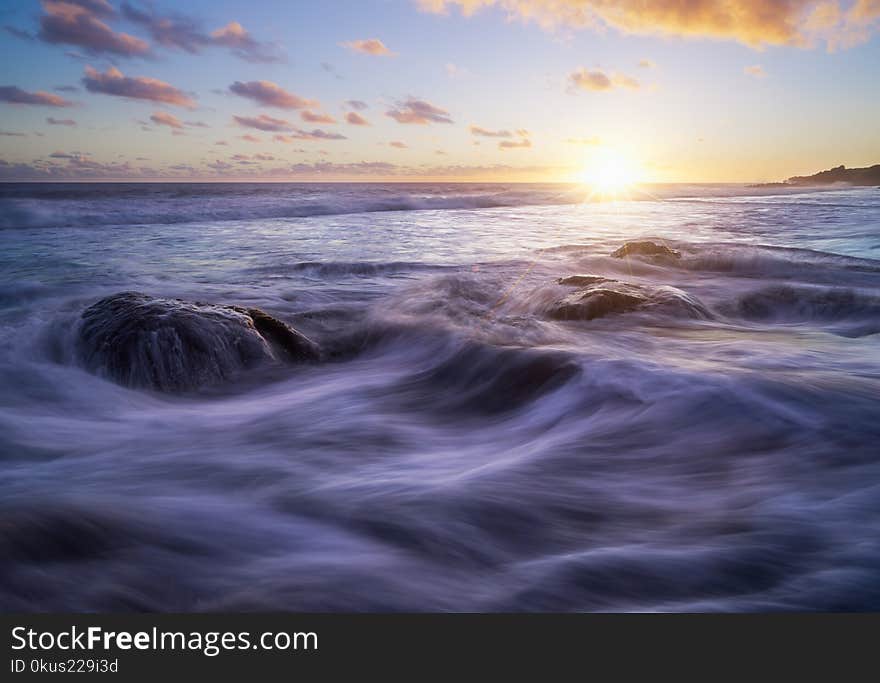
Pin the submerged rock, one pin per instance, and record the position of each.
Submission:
(645, 248)
(609, 297)
(582, 280)
(173, 345)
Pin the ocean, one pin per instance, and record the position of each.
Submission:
(461, 445)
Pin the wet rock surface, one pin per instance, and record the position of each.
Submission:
(171, 345)
(609, 297)
(645, 248)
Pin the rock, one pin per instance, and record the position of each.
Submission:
(610, 297)
(173, 345)
(582, 280)
(645, 249)
(282, 337)
(595, 302)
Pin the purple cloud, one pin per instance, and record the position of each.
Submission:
(18, 33)
(356, 119)
(185, 33)
(15, 95)
(263, 122)
(243, 45)
(270, 94)
(484, 132)
(78, 22)
(419, 112)
(114, 82)
(60, 122)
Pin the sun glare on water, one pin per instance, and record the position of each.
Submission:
(610, 174)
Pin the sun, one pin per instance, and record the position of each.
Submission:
(610, 173)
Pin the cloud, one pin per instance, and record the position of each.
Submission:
(316, 134)
(624, 81)
(483, 132)
(263, 122)
(755, 70)
(174, 31)
(66, 88)
(273, 125)
(270, 94)
(11, 134)
(114, 82)
(357, 105)
(312, 117)
(591, 141)
(356, 119)
(398, 144)
(756, 23)
(182, 32)
(163, 118)
(78, 22)
(522, 143)
(584, 79)
(60, 122)
(244, 46)
(646, 64)
(15, 95)
(250, 138)
(264, 157)
(197, 124)
(17, 32)
(222, 143)
(419, 112)
(369, 46)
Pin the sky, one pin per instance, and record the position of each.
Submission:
(427, 90)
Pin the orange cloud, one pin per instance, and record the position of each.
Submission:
(514, 144)
(313, 117)
(753, 22)
(162, 118)
(755, 70)
(370, 46)
(356, 119)
(598, 80)
(243, 45)
(398, 144)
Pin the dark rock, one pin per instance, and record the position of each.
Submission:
(582, 280)
(645, 249)
(610, 297)
(295, 345)
(173, 345)
(595, 302)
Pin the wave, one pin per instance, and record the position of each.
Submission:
(238, 203)
(35, 205)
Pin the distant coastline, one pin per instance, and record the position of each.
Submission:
(861, 177)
